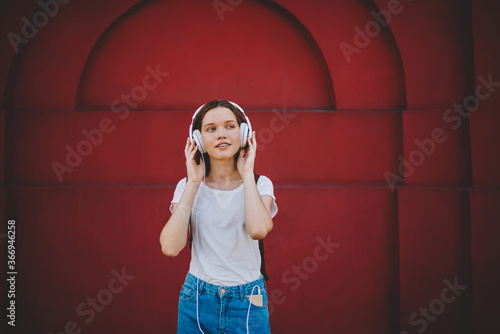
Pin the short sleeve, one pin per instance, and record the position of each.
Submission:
(265, 187)
(179, 190)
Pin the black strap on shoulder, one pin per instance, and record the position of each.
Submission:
(261, 248)
(261, 244)
(262, 260)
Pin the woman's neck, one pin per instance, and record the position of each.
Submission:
(223, 171)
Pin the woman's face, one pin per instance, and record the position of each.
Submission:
(220, 133)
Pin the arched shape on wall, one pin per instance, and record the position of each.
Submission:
(366, 68)
(256, 54)
(32, 84)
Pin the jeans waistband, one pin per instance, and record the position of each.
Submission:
(235, 290)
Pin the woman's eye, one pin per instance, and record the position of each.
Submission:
(210, 129)
(230, 126)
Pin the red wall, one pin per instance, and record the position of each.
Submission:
(412, 247)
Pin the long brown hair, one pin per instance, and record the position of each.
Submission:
(240, 118)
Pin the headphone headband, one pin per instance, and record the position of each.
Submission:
(234, 105)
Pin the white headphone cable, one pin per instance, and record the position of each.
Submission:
(197, 241)
(250, 305)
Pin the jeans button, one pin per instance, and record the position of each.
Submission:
(222, 291)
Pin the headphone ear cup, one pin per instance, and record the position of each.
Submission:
(243, 134)
(199, 141)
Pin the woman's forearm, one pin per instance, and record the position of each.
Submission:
(173, 237)
(258, 221)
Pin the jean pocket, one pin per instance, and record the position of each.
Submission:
(259, 302)
(187, 292)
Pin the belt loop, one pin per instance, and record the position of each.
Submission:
(201, 284)
(242, 292)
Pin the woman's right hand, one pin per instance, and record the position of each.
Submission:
(194, 171)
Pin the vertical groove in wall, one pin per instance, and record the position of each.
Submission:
(470, 79)
(470, 90)
(397, 301)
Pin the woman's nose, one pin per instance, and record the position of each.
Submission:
(221, 134)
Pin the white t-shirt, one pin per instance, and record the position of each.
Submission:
(228, 255)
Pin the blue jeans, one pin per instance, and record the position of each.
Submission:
(222, 309)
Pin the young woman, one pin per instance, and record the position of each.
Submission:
(227, 211)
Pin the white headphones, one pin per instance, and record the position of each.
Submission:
(245, 130)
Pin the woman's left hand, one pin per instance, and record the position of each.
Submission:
(247, 157)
